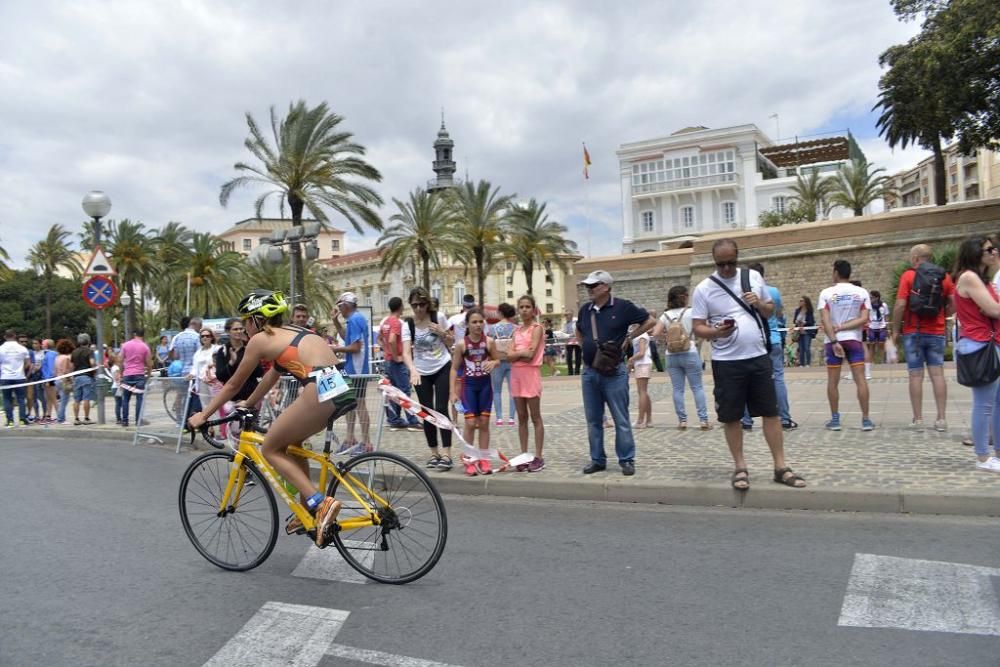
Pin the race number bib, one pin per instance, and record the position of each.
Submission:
(329, 384)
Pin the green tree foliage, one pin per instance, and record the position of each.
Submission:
(172, 255)
(792, 215)
(535, 240)
(812, 193)
(480, 209)
(47, 257)
(132, 252)
(425, 230)
(944, 256)
(215, 272)
(258, 272)
(857, 185)
(21, 308)
(312, 165)
(4, 258)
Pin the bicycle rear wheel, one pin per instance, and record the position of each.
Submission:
(242, 536)
(173, 400)
(414, 527)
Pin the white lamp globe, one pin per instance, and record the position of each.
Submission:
(96, 204)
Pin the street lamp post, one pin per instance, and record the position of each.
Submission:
(126, 301)
(97, 205)
(114, 331)
(306, 236)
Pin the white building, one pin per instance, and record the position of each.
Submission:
(699, 180)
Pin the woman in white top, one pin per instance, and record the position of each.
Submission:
(201, 363)
(682, 363)
(642, 363)
(427, 353)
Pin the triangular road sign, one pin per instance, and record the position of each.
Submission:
(99, 264)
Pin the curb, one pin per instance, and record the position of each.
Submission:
(668, 492)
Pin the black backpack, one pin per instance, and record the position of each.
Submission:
(926, 297)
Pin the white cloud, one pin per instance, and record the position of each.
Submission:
(147, 100)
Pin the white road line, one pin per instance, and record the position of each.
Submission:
(932, 596)
(328, 564)
(379, 658)
(282, 634)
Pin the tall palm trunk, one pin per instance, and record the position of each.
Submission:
(295, 249)
(480, 276)
(425, 264)
(940, 180)
(529, 274)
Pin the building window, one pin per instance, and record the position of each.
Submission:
(334, 244)
(385, 299)
(510, 266)
(549, 308)
(687, 216)
(261, 241)
(778, 204)
(729, 212)
(548, 266)
(510, 280)
(548, 277)
(436, 291)
(548, 292)
(366, 298)
(510, 294)
(647, 221)
(673, 173)
(459, 291)
(954, 178)
(247, 244)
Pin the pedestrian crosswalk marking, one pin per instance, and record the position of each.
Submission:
(923, 595)
(300, 636)
(328, 564)
(282, 634)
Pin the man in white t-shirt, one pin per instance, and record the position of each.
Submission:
(843, 311)
(730, 317)
(14, 364)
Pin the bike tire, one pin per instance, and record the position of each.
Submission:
(169, 401)
(415, 526)
(243, 537)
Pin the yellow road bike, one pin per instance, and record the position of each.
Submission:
(392, 527)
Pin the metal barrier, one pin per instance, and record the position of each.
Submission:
(165, 404)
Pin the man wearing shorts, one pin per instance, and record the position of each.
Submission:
(741, 366)
(923, 340)
(843, 311)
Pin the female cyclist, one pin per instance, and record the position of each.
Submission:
(306, 356)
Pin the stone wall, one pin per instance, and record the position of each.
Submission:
(798, 259)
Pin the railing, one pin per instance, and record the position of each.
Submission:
(685, 183)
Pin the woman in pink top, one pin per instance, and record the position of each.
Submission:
(525, 355)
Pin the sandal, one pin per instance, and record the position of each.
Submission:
(788, 478)
(741, 479)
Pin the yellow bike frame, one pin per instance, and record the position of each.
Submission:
(249, 449)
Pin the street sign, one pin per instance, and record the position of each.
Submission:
(99, 292)
(99, 264)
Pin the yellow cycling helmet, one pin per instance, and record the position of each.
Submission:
(262, 302)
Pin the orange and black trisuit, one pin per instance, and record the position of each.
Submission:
(288, 360)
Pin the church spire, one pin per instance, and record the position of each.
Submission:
(444, 163)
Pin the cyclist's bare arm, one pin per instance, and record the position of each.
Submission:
(251, 358)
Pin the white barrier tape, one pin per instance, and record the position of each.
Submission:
(60, 377)
(469, 453)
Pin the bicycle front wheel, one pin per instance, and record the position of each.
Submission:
(173, 400)
(242, 535)
(413, 528)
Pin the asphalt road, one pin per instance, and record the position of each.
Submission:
(95, 569)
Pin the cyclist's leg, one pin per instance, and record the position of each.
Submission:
(304, 417)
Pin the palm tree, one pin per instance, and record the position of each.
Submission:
(47, 257)
(535, 240)
(133, 254)
(856, 185)
(312, 165)
(5, 271)
(88, 234)
(215, 275)
(916, 108)
(812, 193)
(259, 272)
(172, 253)
(479, 209)
(425, 229)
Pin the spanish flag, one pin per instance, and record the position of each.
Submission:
(586, 162)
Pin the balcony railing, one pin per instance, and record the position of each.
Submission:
(685, 183)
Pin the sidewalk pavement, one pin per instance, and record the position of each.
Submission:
(891, 469)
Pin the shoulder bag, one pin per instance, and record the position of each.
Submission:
(607, 356)
(981, 367)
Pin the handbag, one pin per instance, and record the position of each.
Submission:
(608, 356)
(981, 367)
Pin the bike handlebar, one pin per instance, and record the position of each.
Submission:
(246, 415)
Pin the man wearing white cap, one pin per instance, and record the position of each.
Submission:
(602, 328)
(354, 351)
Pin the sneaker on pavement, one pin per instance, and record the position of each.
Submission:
(326, 514)
(10, 424)
(867, 425)
(471, 469)
(511, 422)
(536, 465)
(833, 424)
(940, 426)
(484, 467)
(444, 463)
(397, 427)
(916, 425)
(414, 427)
(989, 465)
(790, 425)
(433, 462)
(498, 422)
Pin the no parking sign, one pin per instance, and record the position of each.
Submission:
(99, 292)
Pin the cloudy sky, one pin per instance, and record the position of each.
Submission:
(146, 100)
